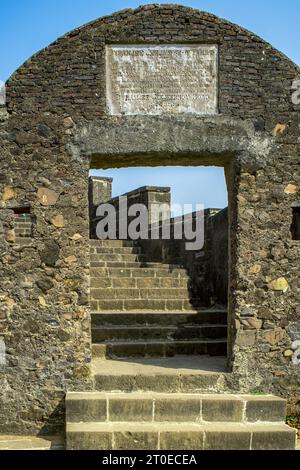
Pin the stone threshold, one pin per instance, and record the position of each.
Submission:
(176, 365)
(14, 442)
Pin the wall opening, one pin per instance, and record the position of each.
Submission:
(161, 277)
(23, 222)
(295, 227)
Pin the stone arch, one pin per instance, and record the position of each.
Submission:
(165, 141)
(56, 120)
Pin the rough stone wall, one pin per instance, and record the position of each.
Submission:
(216, 257)
(208, 268)
(44, 317)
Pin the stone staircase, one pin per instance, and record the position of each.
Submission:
(159, 367)
(157, 421)
(141, 308)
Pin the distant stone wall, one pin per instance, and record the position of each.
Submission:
(100, 191)
(208, 267)
(215, 258)
(151, 197)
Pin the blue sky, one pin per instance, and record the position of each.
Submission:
(27, 26)
(189, 185)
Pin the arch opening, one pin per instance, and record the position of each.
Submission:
(207, 270)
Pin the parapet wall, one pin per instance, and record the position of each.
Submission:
(153, 198)
(207, 267)
(100, 191)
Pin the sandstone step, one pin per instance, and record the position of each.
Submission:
(130, 257)
(142, 293)
(183, 436)
(133, 282)
(190, 374)
(33, 444)
(160, 318)
(126, 349)
(112, 243)
(118, 257)
(138, 273)
(135, 265)
(102, 334)
(147, 305)
(121, 250)
(176, 407)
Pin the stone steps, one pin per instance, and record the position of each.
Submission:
(116, 272)
(31, 443)
(133, 264)
(196, 318)
(140, 259)
(112, 243)
(179, 407)
(122, 280)
(138, 282)
(140, 293)
(118, 257)
(125, 421)
(146, 305)
(183, 436)
(101, 334)
(121, 250)
(162, 348)
(177, 374)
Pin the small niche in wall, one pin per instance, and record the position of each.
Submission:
(21, 210)
(295, 227)
(23, 222)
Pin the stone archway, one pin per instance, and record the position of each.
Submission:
(144, 141)
(57, 119)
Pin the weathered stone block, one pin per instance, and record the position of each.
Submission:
(93, 440)
(86, 409)
(130, 409)
(265, 409)
(245, 338)
(177, 409)
(108, 383)
(109, 305)
(50, 253)
(272, 337)
(47, 197)
(224, 439)
(181, 440)
(274, 439)
(135, 440)
(201, 383)
(157, 383)
(221, 409)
